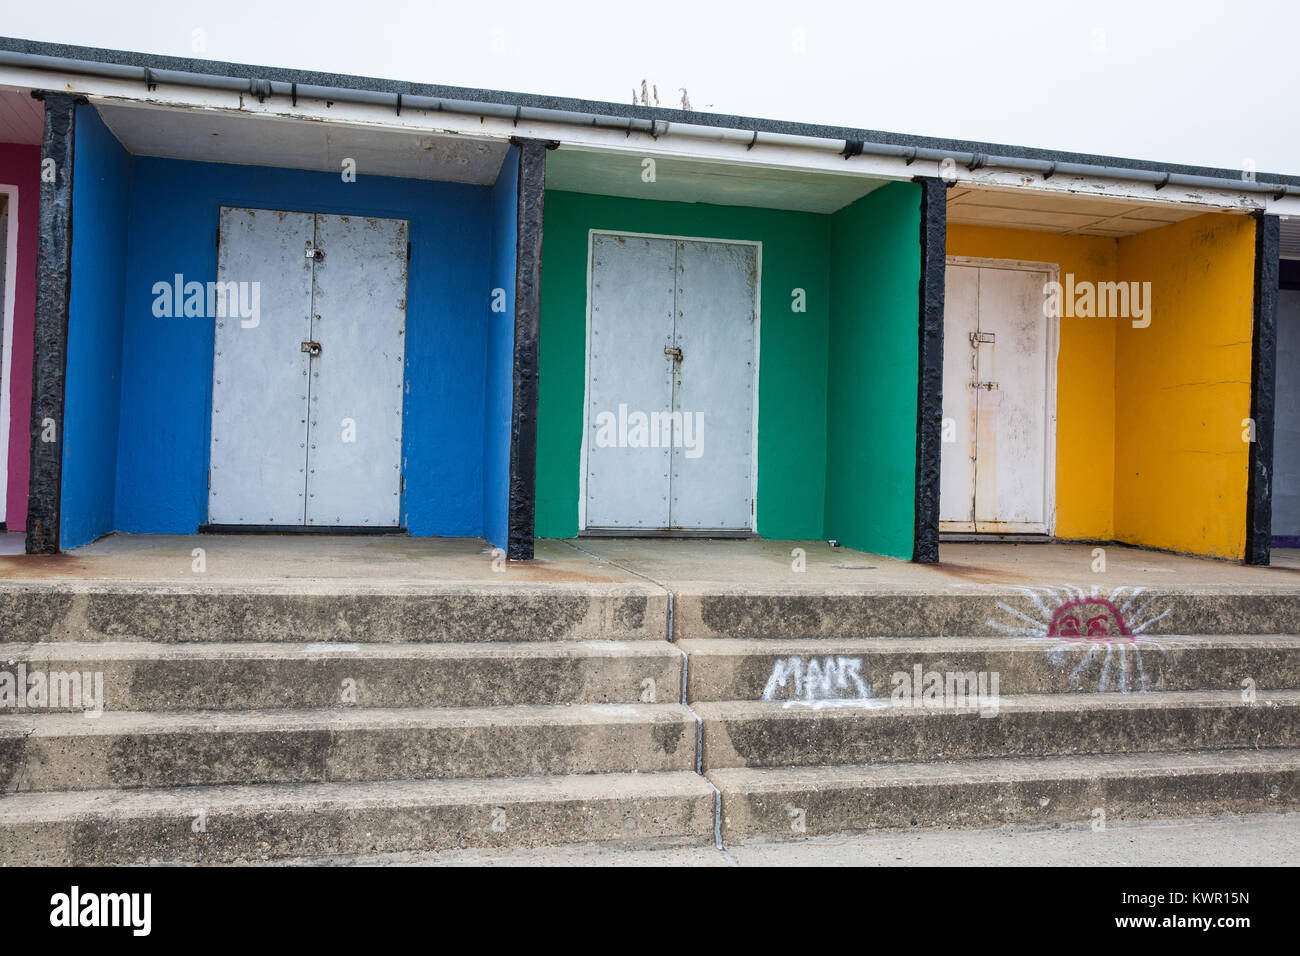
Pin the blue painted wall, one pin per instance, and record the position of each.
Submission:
(101, 184)
(167, 362)
(499, 395)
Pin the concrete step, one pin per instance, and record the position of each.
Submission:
(808, 801)
(40, 751)
(156, 676)
(771, 734)
(225, 824)
(304, 611)
(805, 613)
(737, 669)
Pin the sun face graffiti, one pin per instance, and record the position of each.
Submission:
(1101, 637)
(1089, 618)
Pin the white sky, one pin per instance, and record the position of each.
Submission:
(1193, 81)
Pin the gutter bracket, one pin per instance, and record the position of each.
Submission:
(150, 83)
(1163, 183)
(293, 94)
(752, 141)
(852, 147)
(976, 161)
(910, 158)
(1050, 172)
(260, 88)
(399, 104)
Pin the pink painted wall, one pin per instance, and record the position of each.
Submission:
(21, 166)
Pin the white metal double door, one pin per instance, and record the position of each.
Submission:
(999, 398)
(671, 381)
(307, 387)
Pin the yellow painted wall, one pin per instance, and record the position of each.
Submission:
(1182, 387)
(1085, 373)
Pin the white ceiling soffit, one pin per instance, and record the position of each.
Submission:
(723, 184)
(1290, 243)
(1064, 214)
(214, 136)
(22, 119)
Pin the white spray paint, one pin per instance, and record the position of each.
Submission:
(822, 682)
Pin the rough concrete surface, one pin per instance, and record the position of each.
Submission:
(1255, 840)
(233, 676)
(500, 706)
(187, 748)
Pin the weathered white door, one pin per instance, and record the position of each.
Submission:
(671, 379)
(957, 456)
(307, 391)
(998, 395)
(354, 453)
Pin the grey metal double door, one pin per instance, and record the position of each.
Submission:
(307, 374)
(671, 385)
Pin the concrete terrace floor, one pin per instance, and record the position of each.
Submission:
(330, 563)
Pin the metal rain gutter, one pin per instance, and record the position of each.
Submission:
(264, 89)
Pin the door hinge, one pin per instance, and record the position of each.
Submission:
(408, 252)
(209, 479)
(985, 385)
(982, 338)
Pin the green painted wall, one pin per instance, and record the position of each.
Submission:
(871, 390)
(792, 350)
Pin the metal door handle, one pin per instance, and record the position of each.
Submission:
(676, 353)
(311, 348)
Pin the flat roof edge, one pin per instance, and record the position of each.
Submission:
(344, 81)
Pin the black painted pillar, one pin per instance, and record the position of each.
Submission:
(50, 352)
(929, 388)
(1263, 383)
(528, 295)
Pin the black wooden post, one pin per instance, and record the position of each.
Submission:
(50, 353)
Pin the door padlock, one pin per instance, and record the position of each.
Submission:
(311, 348)
(676, 353)
(313, 252)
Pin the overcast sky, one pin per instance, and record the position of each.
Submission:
(1196, 81)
